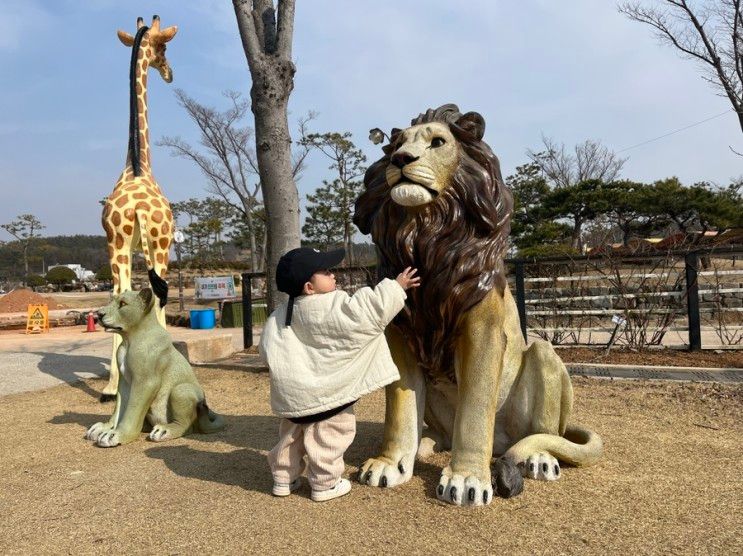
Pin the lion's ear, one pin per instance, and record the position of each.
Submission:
(146, 296)
(473, 124)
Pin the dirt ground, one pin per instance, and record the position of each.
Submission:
(661, 357)
(668, 484)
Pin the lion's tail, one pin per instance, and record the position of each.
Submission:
(579, 446)
(206, 420)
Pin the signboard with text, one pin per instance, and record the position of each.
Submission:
(38, 319)
(215, 287)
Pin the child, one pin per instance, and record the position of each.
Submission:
(324, 349)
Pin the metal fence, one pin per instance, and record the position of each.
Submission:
(693, 298)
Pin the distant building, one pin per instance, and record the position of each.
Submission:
(82, 273)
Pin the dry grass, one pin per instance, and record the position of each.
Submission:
(669, 483)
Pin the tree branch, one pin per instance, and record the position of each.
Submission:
(285, 29)
(248, 33)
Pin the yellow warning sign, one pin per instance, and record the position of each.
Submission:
(38, 319)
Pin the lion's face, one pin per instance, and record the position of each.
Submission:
(125, 311)
(423, 164)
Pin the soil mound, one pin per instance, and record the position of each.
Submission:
(18, 301)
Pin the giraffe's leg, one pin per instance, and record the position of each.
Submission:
(161, 269)
(122, 279)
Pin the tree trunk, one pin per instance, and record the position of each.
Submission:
(576, 242)
(25, 264)
(267, 46)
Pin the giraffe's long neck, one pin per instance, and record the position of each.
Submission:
(138, 155)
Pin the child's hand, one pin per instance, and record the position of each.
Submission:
(407, 279)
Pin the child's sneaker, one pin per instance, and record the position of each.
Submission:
(343, 486)
(285, 489)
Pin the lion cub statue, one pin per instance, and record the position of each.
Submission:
(157, 382)
(437, 202)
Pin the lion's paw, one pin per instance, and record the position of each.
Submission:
(384, 472)
(96, 430)
(159, 433)
(464, 489)
(109, 439)
(541, 466)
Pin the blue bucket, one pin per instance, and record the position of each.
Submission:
(195, 318)
(203, 318)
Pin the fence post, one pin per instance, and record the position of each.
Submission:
(521, 295)
(692, 301)
(247, 311)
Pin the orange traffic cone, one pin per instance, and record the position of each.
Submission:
(91, 323)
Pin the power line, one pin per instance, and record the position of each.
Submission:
(676, 131)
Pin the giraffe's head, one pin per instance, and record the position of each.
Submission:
(157, 38)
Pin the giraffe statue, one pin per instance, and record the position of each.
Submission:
(137, 215)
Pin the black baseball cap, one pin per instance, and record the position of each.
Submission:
(296, 268)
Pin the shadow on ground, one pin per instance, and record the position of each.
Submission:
(68, 368)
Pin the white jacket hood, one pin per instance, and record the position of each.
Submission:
(334, 351)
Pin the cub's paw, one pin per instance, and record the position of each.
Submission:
(386, 472)
(541, 466)
(159, 433)
(465, 489)
(109, 439)
(96, 430)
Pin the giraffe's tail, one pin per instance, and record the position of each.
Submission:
(159, 286)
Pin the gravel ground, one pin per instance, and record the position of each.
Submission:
(668, 483)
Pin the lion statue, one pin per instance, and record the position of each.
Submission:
(157, 382)
(436, 201)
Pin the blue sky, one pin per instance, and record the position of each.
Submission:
(571, 70)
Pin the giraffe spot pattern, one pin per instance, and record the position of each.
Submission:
(119, 241)
(155, 202)
(153, 232)
(122, 259)
(141, 205)
(116, 218)
(159, 257)
(139, 195)
(129, 214)
(157, 216)
(165, 228)
(164, 242)
(128, 229)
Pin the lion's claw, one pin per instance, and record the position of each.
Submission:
(96, 430)
(159, 433)
(464, 490)
(109, 439)
(542, 467)
(384, 472)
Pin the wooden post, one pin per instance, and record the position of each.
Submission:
(247, 311)
(521, 295)
(692, 301)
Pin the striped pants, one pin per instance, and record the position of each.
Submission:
(324, 444)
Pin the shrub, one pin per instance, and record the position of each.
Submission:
(60, 275)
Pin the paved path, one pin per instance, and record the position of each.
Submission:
(68, 354)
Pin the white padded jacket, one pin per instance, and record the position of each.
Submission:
(334, 351)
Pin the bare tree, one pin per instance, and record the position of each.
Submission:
(267, 42)
(588, 161)
(24, 228)
(349, 161)
(710, 32)
(228, 159)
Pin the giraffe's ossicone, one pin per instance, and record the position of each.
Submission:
(136, 215)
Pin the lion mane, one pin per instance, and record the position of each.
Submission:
(457, 241)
